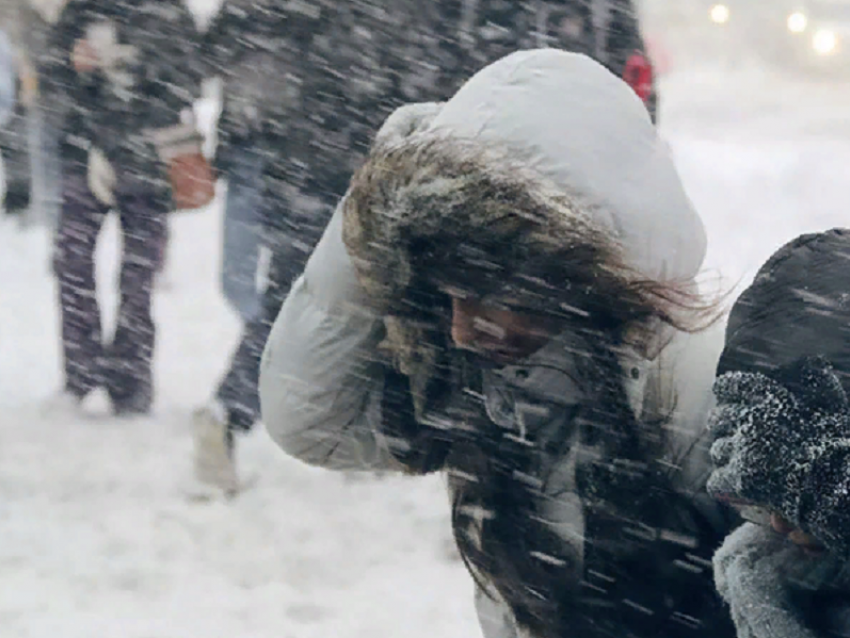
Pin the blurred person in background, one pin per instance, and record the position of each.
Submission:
(27, 143)
(15, 151)
(14, 141)
(306, 87)
(124, 79)
(260, 50)
(257, 100)
(42, 118)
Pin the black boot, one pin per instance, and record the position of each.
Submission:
(130, 393)
(16, 201)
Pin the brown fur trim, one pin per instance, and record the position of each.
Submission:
(435, 211)
(454, 191)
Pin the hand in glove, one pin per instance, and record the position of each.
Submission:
(767, 436)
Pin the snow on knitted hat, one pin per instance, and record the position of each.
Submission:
(797, 306)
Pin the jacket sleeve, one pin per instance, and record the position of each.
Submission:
(325, 389)
(760, 577)
(321, 377)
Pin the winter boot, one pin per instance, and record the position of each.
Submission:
(215, 464)
(130, 400)
(17, 199)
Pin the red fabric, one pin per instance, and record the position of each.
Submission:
(638, 75)
(192, 181)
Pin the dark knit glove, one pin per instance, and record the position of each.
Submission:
(769, 439)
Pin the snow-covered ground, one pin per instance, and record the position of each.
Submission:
(96, 537)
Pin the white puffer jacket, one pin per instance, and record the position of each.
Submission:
(578, 126)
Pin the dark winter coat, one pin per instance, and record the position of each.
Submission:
(539, 156)
(34, 28)
(330, 72)
(27, 31)
(798, 306)
(152, 79)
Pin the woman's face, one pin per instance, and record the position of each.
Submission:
(501, 335)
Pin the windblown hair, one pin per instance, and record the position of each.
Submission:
(435, 214)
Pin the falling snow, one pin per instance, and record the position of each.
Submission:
(96, 535)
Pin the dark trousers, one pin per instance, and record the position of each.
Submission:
(122, 365)
(238, 391)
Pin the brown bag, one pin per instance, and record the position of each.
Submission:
(192, 181)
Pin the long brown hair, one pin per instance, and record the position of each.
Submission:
(495, 480)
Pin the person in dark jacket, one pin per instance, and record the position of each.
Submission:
(782, 430)
(307, 86)
(123, 75)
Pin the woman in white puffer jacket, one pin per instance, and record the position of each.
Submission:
(506, 294)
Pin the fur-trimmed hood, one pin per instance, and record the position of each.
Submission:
(544, 167)
(434, 203)
(557, 133)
